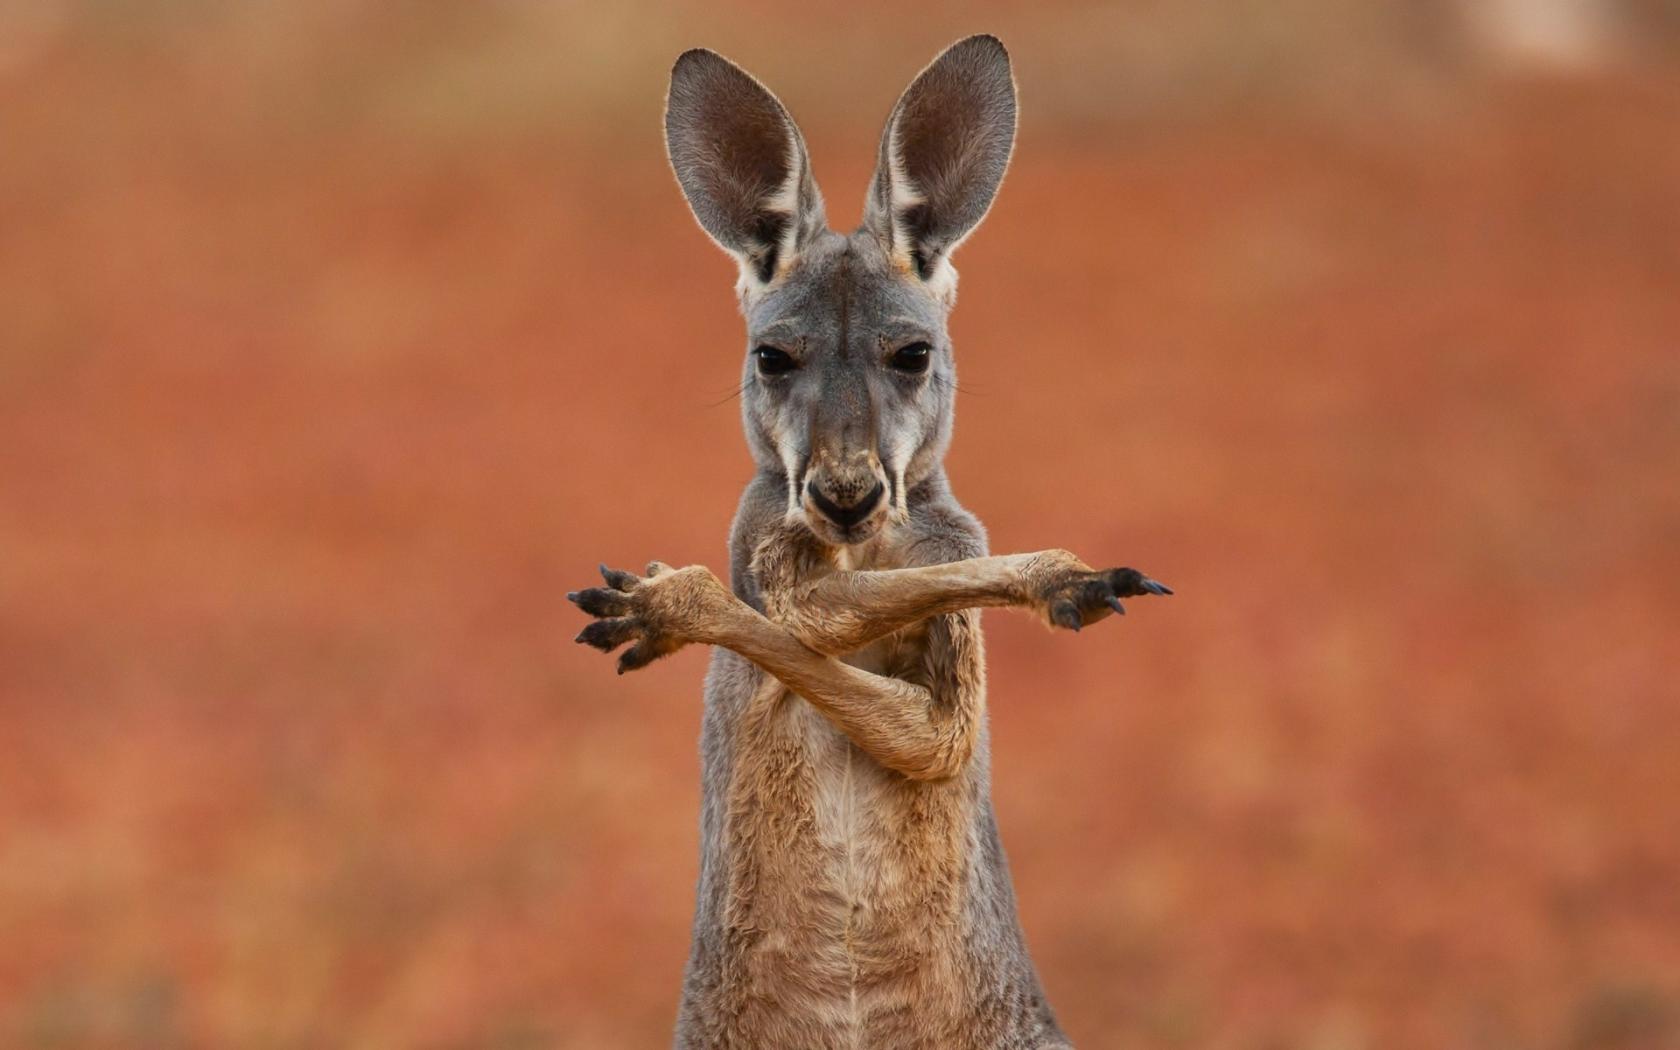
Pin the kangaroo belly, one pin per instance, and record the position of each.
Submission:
(852, 904)
(845, 906)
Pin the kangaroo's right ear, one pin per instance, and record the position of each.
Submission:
(742, 164)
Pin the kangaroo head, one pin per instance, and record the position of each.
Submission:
(849, 379)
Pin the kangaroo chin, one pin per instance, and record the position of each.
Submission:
(853, 887)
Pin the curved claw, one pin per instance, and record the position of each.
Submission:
(1114, 603)
(607, 635)
(1066, 614)
(600, 601)
(638, 656)
(618, 579)
(1130, 583)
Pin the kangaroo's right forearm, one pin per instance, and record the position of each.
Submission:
(844, 611)
(895, 721)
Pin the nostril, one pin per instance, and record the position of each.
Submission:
(846, 515)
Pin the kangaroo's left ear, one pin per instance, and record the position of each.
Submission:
(943, 154)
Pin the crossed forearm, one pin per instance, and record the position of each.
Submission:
(843, 611)
(813, 621)
(814, 616)
(895, 721)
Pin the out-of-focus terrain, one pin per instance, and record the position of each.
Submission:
(338, 341)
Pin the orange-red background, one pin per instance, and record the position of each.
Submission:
(339, 340)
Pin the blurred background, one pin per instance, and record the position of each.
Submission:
(339, 340)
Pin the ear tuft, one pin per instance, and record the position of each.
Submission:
(943, 154)
(741, 162)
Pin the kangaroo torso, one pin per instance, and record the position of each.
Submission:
(841, 904)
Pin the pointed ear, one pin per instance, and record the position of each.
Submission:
(742, 164)
(943, 154)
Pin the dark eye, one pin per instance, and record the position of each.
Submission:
(773, 362)
(912, 358)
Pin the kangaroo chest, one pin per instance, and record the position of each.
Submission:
(853, 889)
(871, 829)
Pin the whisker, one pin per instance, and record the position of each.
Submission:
(954, 385)
(740, 389)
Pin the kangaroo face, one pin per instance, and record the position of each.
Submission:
(848, 384)
(849, 377)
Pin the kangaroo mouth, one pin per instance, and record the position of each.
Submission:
(845, 523)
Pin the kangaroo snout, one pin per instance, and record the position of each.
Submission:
(849, 507)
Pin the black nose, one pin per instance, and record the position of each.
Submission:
(851, 514)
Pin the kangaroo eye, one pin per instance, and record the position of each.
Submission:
(912, 358)
(773, 362)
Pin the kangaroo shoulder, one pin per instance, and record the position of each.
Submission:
(942, 531)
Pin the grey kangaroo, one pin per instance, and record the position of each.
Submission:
(853, 892)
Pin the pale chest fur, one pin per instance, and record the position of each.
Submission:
(872, 829)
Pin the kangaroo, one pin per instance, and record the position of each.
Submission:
(853, 890)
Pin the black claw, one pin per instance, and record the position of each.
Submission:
(607, 635)
(572, 596)
(637, 656)
(1114, 603)
(1066, 614)
(1129, 583)
(601, 601)
(618, 579)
